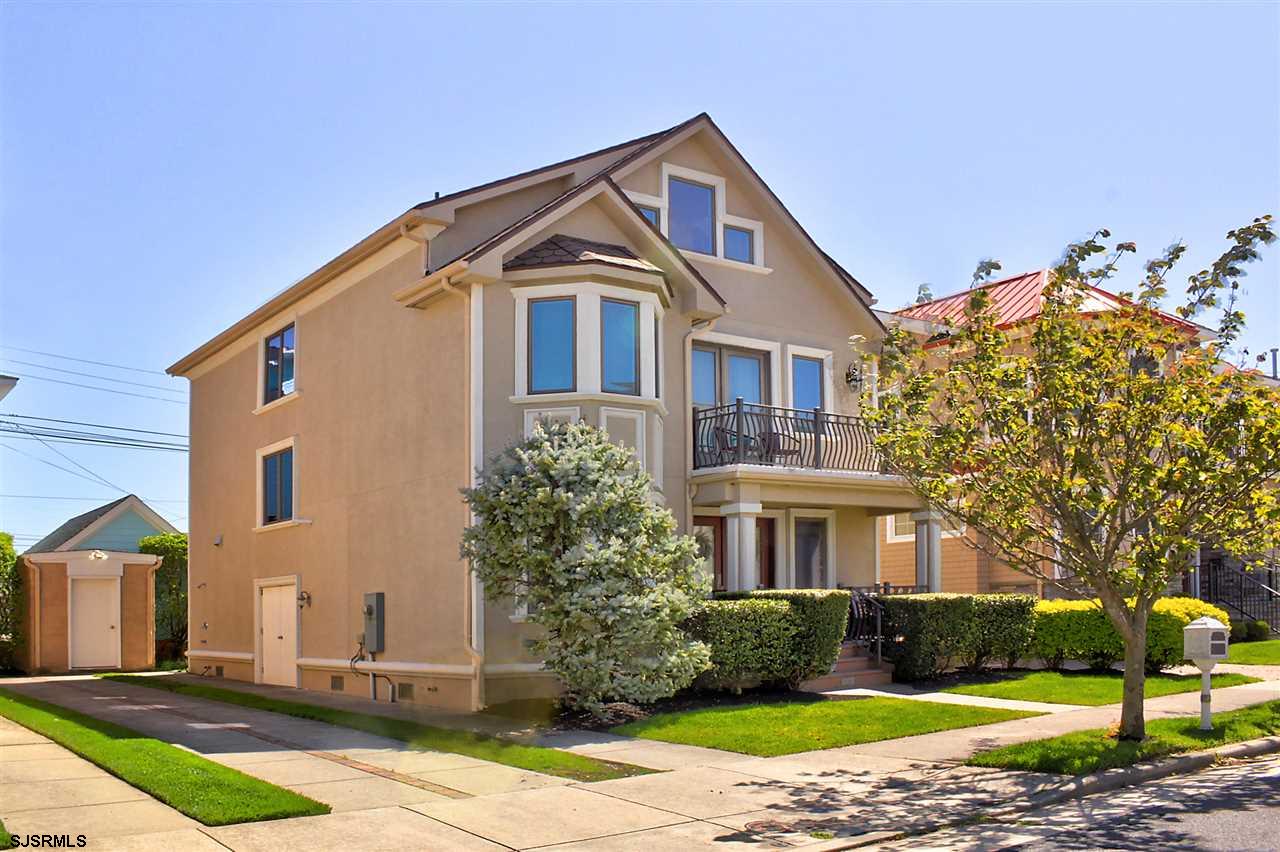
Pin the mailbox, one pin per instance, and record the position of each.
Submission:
(1205, 639)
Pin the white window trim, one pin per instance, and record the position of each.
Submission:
(772, 347)
(587, 296)
(829, 516)
(282, 322)
(828, 378)
(718, 184)
(892, 537)
(636, 417)
(533, 415)
(258, 585)
(288, 443)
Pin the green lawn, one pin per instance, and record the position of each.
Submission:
(1088, 688)
(429, 737)
(6, 842)
(777, 728)
(1090, 751)
(1266, 653)
(203, 790)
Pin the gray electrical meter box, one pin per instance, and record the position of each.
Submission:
(375, 622)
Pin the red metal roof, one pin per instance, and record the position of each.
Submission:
(1015, 300)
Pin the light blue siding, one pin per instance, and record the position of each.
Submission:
(122, 534)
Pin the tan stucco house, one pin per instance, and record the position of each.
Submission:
(658, 288)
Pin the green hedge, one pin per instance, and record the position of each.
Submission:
(771, 638)
(1081, 630)
(927, 634)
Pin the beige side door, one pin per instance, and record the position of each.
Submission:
(279, 635)
(95, 623)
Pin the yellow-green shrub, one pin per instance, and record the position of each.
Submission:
(1081, 630)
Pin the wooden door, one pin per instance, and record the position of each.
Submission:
(709, 531)
(279, 635)
(766, 528)
(95, 628)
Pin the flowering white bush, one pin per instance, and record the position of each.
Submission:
(564, 522)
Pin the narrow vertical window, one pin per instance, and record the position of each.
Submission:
(806, 383)
(657, 358)
(692, 208)
(278, 361)
(277, 487)
(620, 346)
(706, 374)
(551, 345)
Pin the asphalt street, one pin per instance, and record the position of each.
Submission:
(1231, 807)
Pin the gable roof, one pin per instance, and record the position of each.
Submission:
(563, 250)
(1017, 299)
(75, 529)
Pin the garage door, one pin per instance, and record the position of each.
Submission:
(95, 613)
(279, 635)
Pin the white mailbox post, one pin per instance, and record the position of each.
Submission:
(1204, 642)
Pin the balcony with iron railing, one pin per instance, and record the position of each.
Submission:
(752, 434)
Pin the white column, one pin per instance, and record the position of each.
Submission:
(928, 549)
(742, 571)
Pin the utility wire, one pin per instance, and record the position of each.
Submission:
(87, 499)
(104, 390)
(51, 464)
(98, 425)
(94, 376)
(83, 360)
(105, 482)
(89, 436)
(90, 442)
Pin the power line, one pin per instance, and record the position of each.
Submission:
(98, 425)
(87, 499)
(94, 376)
(51, 464)
(91, 442)
(105, 482)
(83, 360)
(104, 390)
(81, 435)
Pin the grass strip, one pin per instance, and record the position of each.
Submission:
(549, 761)
(784, 727)
(1091, 689)
(1265, 653)
(6, 841)
(1094, 750)
(208, 792)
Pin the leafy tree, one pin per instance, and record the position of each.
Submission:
(10, 603)
(1094, 451)
(171, 586)
(564, 522)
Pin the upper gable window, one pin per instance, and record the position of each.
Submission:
(692, 208)
(739, 244)
(652, 214)
(278, 362)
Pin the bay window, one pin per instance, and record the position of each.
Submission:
(552, 354)
(620, 346)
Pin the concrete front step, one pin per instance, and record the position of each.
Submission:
(827, 683)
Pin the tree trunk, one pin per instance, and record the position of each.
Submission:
(1133, 724)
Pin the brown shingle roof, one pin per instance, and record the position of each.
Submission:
(71, 528)
(560, 250)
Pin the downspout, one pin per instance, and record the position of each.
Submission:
(690, 488)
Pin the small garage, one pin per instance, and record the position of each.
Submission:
(90, 595)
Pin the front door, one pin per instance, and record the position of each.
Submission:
(279, 616)
(95, 632)
(811, 549)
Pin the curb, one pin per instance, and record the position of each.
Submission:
(1086, 785)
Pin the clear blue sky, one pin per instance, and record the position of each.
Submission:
(165, 168)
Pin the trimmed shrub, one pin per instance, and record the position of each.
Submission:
(928, 633)
(793, 635)
(750, 641)
(1081, 630)
(1239, 632)
(1258, 631)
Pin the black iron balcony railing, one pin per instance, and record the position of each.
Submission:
(746, 433)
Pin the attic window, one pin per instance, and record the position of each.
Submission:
(652, 214)
(739, 244)
(692, 208)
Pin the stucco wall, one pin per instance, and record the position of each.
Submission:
(137, 618)
(53, 618)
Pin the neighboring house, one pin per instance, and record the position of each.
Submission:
(7, 383)
(646, 288)
(89, 594)
(1017, 301)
